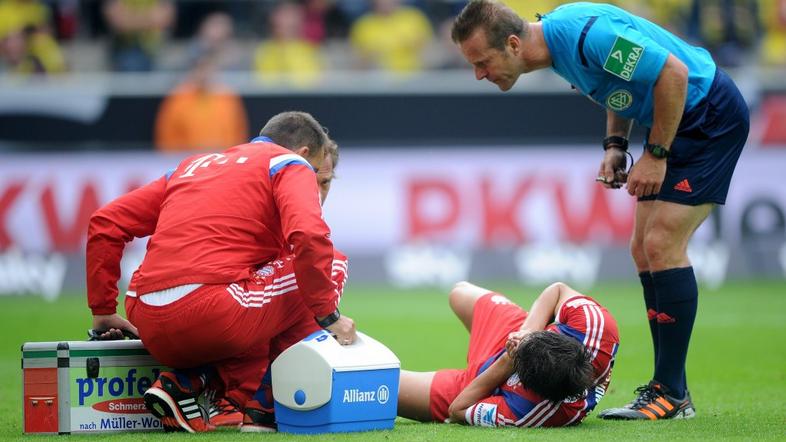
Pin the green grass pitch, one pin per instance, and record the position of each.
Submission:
(736, 368)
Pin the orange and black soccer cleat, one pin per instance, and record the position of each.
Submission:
(176, 405)
(224, 414)
(653, 402)
(258, 419)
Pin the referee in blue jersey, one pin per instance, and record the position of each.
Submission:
(697, 124)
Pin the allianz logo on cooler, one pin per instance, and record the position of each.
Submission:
(356, 395)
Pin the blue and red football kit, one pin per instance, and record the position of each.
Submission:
(513, 404)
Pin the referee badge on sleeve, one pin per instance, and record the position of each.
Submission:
(623, 58)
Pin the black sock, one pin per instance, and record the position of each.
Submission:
(650, 303)
(678, 298)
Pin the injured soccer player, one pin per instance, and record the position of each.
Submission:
(548, 367)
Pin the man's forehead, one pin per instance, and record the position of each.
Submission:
(476, 44)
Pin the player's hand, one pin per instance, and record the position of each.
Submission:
(114, 325)
(344, 329)
(612, 169)
(514, 339)
(646, 176)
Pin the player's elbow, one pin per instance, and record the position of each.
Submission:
(99, 222)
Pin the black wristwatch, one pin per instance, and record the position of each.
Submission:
(329, 320)
(615, 142)
(657, 150)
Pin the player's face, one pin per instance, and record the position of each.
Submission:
(325, 178)
(498, 67)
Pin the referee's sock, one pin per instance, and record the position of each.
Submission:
(678, 297)
(651, 304)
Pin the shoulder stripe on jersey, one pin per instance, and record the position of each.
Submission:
(279, 162)
(595, 323)
(169, 173)
(583, 37)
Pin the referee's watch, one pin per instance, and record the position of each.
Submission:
(657, 150)
(616, 142)
(329, 320)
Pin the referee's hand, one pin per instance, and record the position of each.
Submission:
(344, 329)
(612, 169)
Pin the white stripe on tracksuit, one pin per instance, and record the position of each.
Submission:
(258, 298)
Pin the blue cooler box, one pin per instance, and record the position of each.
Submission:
(320, 386)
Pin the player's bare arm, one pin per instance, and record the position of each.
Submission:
(542, 312)
(669, 95)
(480, 387)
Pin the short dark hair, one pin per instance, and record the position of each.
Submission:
(497, 21)
(332, 151)
(294, 129)
(553, 365)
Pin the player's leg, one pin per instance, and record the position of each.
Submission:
(171, 332)
(644, 210)
(462, 300)
(414, 395)
(669, 231)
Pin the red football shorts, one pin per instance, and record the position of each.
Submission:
(235, 328)
(493, 319)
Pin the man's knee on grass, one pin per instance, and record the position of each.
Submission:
(554, 366)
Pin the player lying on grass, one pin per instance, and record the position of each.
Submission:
(522, 369)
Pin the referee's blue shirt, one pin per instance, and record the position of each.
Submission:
(614, 57)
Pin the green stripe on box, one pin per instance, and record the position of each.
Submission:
(113, 352)
(40, 354)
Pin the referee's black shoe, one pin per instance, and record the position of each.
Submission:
(653, 402)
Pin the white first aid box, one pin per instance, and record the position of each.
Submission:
(320, 386)
(87, 387)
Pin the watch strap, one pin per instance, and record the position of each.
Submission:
(329, 320)
(657, 150)
(616, 142)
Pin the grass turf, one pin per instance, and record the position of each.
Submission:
(736, 371)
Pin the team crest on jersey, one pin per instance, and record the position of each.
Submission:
(265, 271)
(623, 58)
(619, 100)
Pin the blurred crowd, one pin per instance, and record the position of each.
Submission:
(296, 41)
(299, 39)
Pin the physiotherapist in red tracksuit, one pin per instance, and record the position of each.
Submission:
(214, 220)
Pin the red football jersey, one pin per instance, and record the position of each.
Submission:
(215, 219)
(583, 319)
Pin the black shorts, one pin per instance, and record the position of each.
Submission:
(709, 141)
